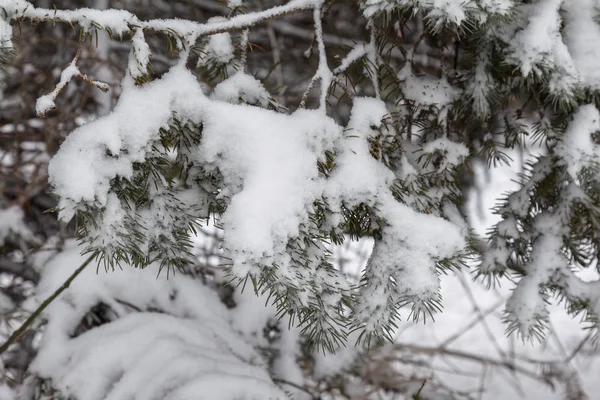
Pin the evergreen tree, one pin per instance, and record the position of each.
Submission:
(204, 140)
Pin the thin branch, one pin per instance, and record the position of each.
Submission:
(19, 332)
(128, 21)
(46, 102)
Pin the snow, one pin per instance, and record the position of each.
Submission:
(360, 178)
(480, 87)
(6, 304)
(472, 322)
(453, 153)
(119, 22)
(116, 20)
(138, 61)
(539, 47)
(256, 151)
(580, 33)
(357, 52)
(6, 393)
(82, 169)
(187, 343)
(5, 34)
(323, 71)
(46, 102)
(220, 46)
(241, 87)
(273, 153)
(577, 147)
(426, 90)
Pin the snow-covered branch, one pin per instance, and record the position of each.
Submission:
(120, 22)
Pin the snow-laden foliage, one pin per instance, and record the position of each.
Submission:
(283, 186)
(170, 338)
(262, 168)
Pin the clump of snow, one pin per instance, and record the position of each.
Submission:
(117, 21)
(453, 153)
(242, 87)
(580, 33)
(251, 316)
(106, 148)
(449, 11)
(411, 239)
(188, 345)
(139, 59)
(499, 7)
(577, 147)
(46, 102)
(357, 52)
(219, 47)
(539, 47)
(275, 154)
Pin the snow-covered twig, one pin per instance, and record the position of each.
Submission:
(372, 56)
(244, 47)
(323, 74)
(46, 102)
(323, 70)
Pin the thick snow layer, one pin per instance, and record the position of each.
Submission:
(581, 32)
(577, 147)
(171, 338)
(472, 323)
(412, 239)
(220, 46)
(242, 88)
(269, 165)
